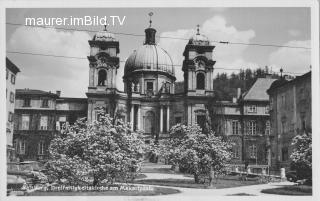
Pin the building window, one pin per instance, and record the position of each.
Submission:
(200, 81)
(10, 116)
(267, 109)
(11, 97)
(235, 152)
(253, 151)
(26, 102)
(235, 127)
(7, 74)
(21, 147)
(284, 152)
(61, 122)
(41, 147)
(178, 120)
(268, 128)
(13, 79)
(102, 76)
(252, 109)
(150, 87)
(25, 122)
(252, 128)
(44, 123)
(45, 103)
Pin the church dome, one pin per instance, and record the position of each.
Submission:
(149, 57)
(104, 36)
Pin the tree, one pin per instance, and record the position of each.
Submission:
(102, 150)
(302, 156)
(195, 152)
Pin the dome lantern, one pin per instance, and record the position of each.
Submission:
(150, 33)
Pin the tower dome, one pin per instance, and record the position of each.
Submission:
(199, 39)
(104, 35)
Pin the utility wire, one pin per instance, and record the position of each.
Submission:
(164, 37)
(122, 61)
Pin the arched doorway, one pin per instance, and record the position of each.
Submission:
(149, 123)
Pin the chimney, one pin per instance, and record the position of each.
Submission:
(238, 93)
(58, 93)
(234, 100)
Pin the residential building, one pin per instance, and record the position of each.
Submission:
(291, 115)
(39, 115)
(11, 77)
(245, 122)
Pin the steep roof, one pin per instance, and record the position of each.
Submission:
(11, 66)
(258, 91)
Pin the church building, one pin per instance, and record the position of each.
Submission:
(151, 101)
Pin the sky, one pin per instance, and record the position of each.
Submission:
(264, 25)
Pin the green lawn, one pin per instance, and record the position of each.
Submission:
(154, 191)
(226, 182)
(290, 190)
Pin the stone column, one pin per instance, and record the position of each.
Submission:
(114, 78)
(139, 116)
(161, 119)
(95, 77)
(194, 80)
(132, 116)
(190, 76)
(142, 85)
(168, 118)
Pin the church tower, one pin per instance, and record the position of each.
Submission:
(103, 66)
(104, 62)
(198, 66)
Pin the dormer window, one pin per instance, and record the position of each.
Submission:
(252, 109)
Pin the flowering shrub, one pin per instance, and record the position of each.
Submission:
(302, 156)
(104, 150)
(195, 152)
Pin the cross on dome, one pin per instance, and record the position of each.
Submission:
(150, 21)
(198, 29)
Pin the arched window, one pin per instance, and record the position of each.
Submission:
(200, 81)
(102, 76)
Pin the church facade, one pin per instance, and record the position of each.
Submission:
(151, 101)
